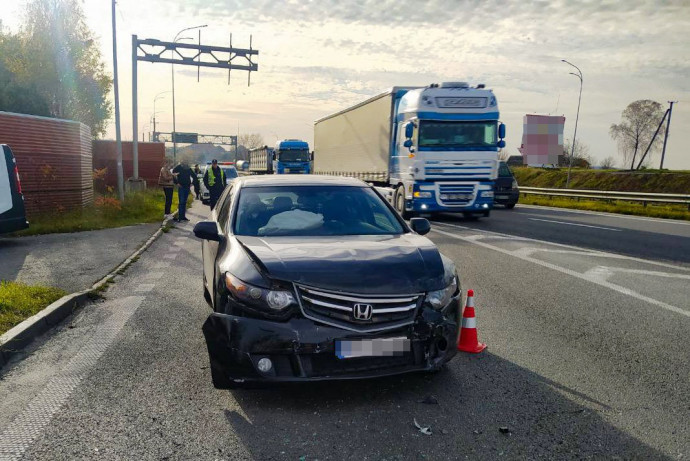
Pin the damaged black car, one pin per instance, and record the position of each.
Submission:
(318, 278)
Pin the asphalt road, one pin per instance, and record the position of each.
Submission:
(650, 238)
(588, 357)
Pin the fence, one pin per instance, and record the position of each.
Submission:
(151, 156)
(642, 197)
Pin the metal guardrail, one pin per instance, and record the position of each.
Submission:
(643, 197)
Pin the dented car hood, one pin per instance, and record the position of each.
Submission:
(384, 264)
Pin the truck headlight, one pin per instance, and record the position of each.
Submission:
(487, 193)
(440, 298)
(419, 194)
(256, 297)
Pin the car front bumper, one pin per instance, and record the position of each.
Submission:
(506, 197)
(302, 350)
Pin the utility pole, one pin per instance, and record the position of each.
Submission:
(668, 124)
(118, 138)
(577, 117)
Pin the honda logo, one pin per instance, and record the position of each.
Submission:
(362, 311)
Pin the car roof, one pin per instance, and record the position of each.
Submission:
(298, 180)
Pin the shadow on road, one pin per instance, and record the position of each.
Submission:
(487, 407)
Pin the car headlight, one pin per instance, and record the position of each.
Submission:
(514, 185)
(274, 300)
(440, 298)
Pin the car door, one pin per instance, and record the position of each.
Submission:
(210, 248)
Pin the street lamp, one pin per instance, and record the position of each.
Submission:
(156, 98)
(172, 70)
(577, 117)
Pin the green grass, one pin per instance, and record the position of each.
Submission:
(19, 302)
(618, 206)
(106, 212)
(654, 181)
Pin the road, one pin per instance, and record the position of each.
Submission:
(588, 357)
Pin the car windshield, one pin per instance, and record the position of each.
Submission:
(454, 134)
(504, 171)
(230, 173)
(294, 155)
(313, 210)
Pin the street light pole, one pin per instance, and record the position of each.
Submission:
(577, 117)
(118, 137)
(172, 70)
(156, 98)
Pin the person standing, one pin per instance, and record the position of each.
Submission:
(197, 187)
(184, 177)
(214, 180)
(165, 180)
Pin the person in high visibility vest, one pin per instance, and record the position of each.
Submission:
(214, 180)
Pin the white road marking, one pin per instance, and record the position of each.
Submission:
(594, 279)
(144, 287)
(153, 275)
(672, 275)
(16, 438)
(574, 224)
(164, 265)
(170, 255)
(610, 215)
(572, 247)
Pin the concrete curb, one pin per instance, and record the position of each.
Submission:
(23, 334)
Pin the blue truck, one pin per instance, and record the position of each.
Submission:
(290, 156)
(429, 149)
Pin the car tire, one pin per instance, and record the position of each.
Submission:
(509, 206)
(399, 202)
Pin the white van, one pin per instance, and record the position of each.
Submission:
(12, 211)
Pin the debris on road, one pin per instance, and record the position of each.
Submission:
(429, 400)
(504, 430)
(423, 430)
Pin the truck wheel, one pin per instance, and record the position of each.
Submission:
(509, 206)
(400, 202)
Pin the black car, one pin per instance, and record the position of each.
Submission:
(506, 190)
(317, 277)
(12, 212)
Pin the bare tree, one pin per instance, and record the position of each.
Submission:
(608, 163)
(581, 157)
(251, 140)
(638, 123)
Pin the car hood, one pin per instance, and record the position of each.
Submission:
(406, 263)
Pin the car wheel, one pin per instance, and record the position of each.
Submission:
(400, 202)
(509, 206)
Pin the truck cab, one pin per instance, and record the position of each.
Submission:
(292, 156)
(444, 156)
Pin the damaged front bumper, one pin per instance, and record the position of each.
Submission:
(303, 350)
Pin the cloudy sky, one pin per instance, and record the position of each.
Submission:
(321, 56)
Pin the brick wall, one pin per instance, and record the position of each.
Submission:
(151, 156)
(54, 160)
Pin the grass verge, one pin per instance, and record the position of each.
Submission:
(106, 212)
(618, 206)
(19, 302)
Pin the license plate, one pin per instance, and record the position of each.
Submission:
(379, 347)
(502, 197)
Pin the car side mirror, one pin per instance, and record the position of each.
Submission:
(420, 225)
(207, 230)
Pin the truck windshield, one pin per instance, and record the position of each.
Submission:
(294, 155)
(456, 134)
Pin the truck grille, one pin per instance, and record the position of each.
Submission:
(456, 194)
(382, 312)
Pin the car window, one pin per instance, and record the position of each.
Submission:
(224, 202)
(504, 171)
(313, 210)
(230, 173)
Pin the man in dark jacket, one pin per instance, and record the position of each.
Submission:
(214, 180)
(197, 187)
(184, 177)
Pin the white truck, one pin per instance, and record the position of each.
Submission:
(431, 149)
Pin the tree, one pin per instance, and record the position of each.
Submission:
(639, 121)
(608, 163)
(581, 157)
(250, 140)
(55, 67)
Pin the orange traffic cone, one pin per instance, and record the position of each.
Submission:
(468, 334)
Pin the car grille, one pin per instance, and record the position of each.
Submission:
(338, 309)
(456, 194)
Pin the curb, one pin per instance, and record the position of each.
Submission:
(21, 335)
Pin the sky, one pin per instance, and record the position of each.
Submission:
(319, 57)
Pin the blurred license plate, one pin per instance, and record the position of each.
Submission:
(502, 197)
(379, 347)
